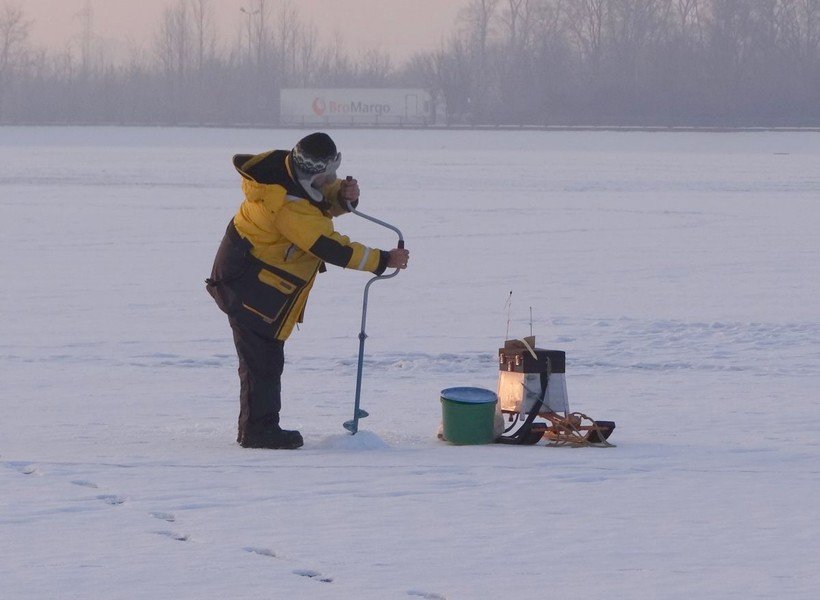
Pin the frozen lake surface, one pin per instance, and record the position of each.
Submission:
(679, 271)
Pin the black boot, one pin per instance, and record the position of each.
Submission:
(270, 436)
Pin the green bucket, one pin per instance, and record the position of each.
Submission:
(467, 415)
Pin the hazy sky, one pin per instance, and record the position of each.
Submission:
(397, 26)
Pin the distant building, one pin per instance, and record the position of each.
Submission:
(355, 106)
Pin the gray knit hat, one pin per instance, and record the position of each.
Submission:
(316, 153)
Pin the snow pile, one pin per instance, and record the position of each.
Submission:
(363, 440)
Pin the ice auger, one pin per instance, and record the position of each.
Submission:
(359, 413)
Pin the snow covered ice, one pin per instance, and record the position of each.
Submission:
(679, 271)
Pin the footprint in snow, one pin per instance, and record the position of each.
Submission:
(426, 595)
(164, 516)
(311, 574)
(179, 537)
(260, 551)
(112, 499)
(84, 483)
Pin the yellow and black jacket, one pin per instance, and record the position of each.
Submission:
(276, 244)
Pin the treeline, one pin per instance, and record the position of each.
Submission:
(507, 62)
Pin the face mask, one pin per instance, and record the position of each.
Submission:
(327, 174)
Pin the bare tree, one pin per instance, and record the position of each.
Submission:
(586, 20)
(635, 28)
(479, 19)
(515, 58)
(173, 42)
(549, 22)
(174, 55)
(509, 18)
(286, 48)
(258, 15)
(86, 16)
(479, 16)
(14, 31)
(688, 16)
(339, 65)
(308, 57)
(458, 83)
(422, 71)
(800, 24)
(730, 34)
(203, 31)
(374, 68)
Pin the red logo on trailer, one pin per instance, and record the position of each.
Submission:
(319, 106)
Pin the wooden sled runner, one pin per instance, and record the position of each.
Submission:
(576, 430)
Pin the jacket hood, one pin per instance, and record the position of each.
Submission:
(274, 168)
(267, 168)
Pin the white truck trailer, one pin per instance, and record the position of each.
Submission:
(355, 106)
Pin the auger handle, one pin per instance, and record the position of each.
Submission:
(377, 221)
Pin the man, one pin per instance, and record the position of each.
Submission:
(279, 240)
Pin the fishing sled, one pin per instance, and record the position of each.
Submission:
(531, 386)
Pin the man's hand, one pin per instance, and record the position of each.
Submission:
(398, 258)
(349, 192)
